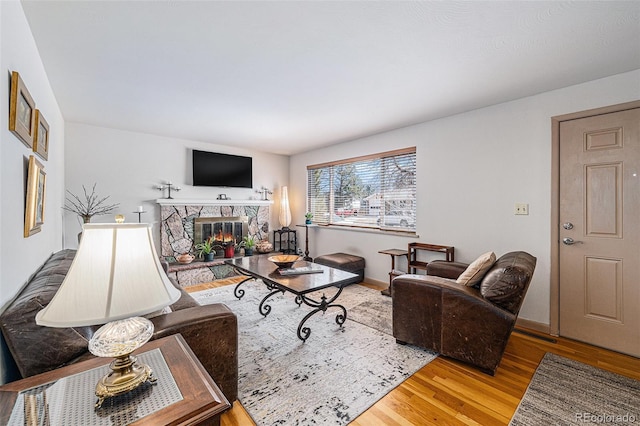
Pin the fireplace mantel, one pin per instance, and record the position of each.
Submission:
(209, 202)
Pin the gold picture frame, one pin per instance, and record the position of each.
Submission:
(21, 110)
(36, 192)
(41, 136)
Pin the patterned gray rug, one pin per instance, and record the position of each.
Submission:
(332, 377)
(567, 392)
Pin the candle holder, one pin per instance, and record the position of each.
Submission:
(264, 193)
(139, 212)
(169, 186)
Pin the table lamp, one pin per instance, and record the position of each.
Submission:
(285, 212)
(115, 276)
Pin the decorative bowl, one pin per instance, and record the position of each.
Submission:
(264, 246)
(284, 260)
(185, 258)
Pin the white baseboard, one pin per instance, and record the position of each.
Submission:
(533, 325)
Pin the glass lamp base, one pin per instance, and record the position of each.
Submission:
(119, 339)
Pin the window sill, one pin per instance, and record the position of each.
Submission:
(407, 234)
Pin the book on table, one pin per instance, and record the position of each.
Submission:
(301, 270)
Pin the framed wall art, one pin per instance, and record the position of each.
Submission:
(41, 136)
(21, 110)
(36, 191)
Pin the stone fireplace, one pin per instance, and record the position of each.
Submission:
(185, 223)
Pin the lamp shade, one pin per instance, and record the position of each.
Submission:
(115, 274)
(285, 211)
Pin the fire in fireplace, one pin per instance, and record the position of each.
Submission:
(223, 229)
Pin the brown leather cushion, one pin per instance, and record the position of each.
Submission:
(343, 261)
(506, 282)
(444, 269)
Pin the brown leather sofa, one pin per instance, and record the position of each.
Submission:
(211, 331)
(470, 324)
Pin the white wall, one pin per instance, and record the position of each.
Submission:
(20, 257)
(472, 169)
(127, 166)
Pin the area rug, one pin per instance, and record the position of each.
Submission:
(568, 392)
(332, 377)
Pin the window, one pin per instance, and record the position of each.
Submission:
(375, 191)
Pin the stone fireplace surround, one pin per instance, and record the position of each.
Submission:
(177, 229)
(178, 220)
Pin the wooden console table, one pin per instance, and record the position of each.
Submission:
(201, 401)
(414, 248)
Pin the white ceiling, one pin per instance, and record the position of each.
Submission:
(289, 76)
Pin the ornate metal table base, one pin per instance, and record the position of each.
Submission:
(263, 308)
(237, 291)
(322, 305)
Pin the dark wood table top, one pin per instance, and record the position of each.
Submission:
(202, 399)
(261, 267)
(394, 252)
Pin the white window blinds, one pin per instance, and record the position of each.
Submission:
(375, 191)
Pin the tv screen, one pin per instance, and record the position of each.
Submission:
(215, 169)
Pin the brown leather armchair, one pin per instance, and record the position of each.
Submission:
(470, 324)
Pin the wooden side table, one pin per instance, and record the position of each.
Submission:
(393, 273)
(200, 401)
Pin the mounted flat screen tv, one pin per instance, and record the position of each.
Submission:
(215, 169)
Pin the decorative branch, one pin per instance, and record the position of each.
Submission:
(90, 206)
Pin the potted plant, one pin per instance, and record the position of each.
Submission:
(206, 249)
(249, 243)
(308, 216)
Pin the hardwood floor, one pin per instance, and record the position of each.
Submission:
(446, 392)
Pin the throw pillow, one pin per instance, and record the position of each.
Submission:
(476, 270)
(506, 284)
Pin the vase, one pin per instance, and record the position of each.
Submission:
(307, 221)
(185, 258)
(85, 219)
(208, 257)
(229, 251)
(248, 251)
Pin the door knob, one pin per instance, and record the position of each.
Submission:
(567, 225)
(569, 241)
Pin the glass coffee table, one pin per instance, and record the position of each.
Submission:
(316, 277)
